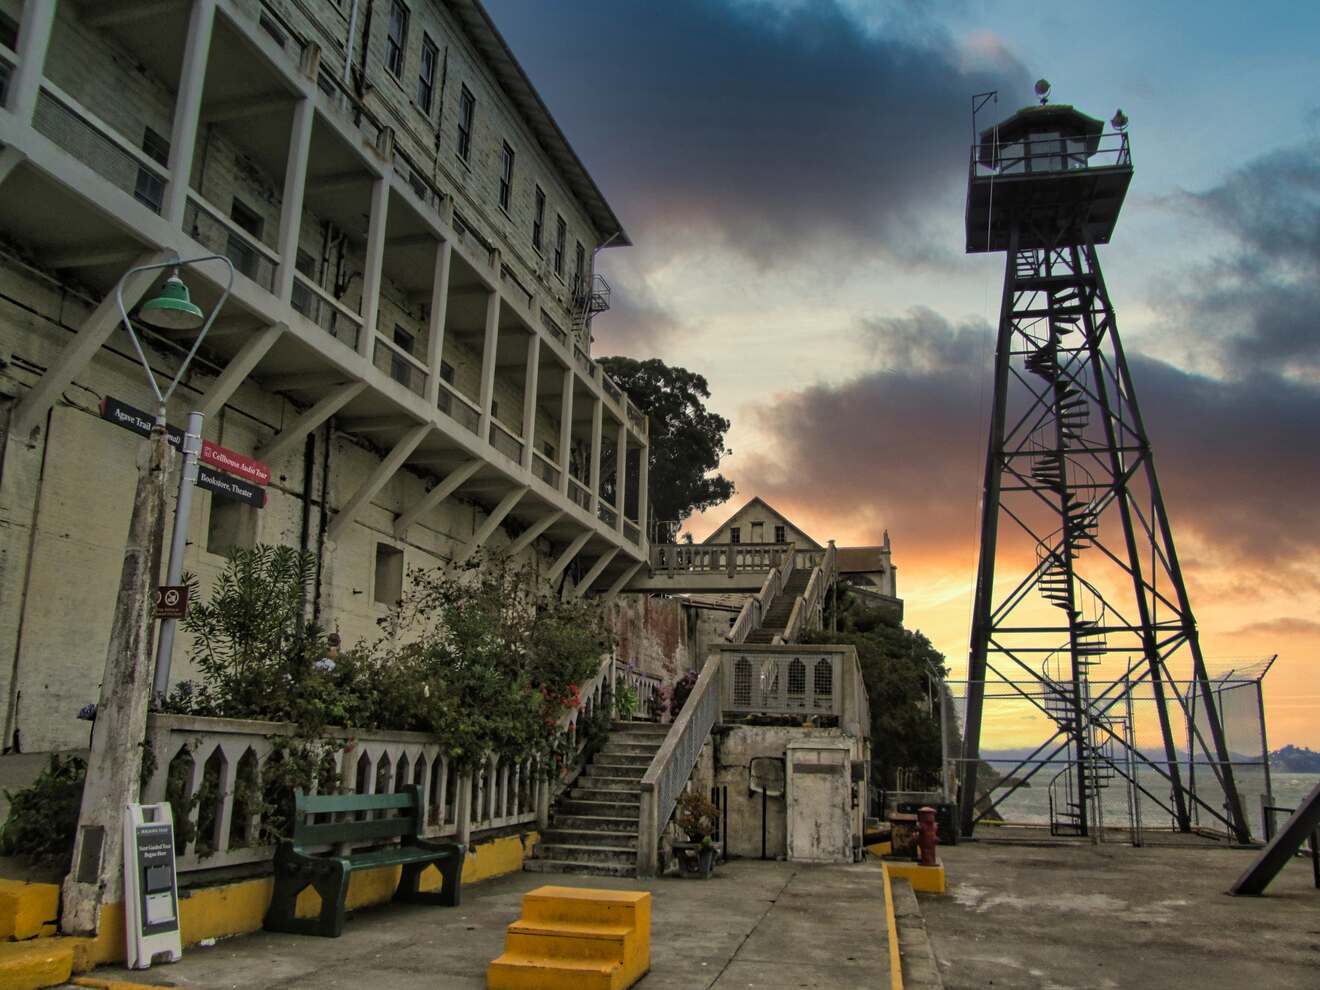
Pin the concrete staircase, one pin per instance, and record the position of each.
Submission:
(776, 617)
(593, 827)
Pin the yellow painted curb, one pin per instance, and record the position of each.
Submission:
(91, 981)
(895, 960)
(28, 910)
(43, 962)
(926, 879)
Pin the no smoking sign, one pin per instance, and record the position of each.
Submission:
(171, 601)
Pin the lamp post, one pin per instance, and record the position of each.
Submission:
(115, 763)
(173, 309)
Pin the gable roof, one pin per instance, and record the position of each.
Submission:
(758, 500)
(502, 62)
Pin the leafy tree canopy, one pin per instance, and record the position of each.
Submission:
(687, 439)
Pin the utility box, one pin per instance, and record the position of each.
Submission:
(819, 799)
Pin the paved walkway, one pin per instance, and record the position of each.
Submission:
(769, 926)
(1020, 917)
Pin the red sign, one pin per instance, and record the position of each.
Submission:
(239, 465)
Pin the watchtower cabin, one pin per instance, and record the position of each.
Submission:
(1051, 172)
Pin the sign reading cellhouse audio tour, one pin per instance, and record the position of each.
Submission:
(240, 477)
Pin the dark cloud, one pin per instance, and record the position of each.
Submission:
(758, 126)
(1258, 305)
(905, 447)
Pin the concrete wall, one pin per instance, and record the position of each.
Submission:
(653, 633)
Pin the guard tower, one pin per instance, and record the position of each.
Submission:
(1077, 560)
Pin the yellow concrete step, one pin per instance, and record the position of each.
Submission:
(513, 971)
(588, 906)
(561, 940)
(42, 962)
(28, 910)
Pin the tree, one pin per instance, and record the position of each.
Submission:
(686, 438)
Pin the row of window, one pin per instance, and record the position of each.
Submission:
(396, 46)
(758, 533)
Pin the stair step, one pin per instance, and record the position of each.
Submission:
(597, 771)
(595, 823)
(599, 809)
(599, 783)
(605, 794)
(613, 748)
(559, 836)
(650, 728)
(590, 869)
(569, 853)
(621, 760)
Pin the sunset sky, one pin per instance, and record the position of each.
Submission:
(793, 174)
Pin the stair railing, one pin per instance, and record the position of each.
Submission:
(669, 771)
(755, 608)
(808, 607)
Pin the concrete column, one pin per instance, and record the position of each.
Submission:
(597, 432)
(188, 109)
(566, 429)
(295, 185)
(643, 493)
(488, 350)
(33, 40)
(621, 474)
(380, 204)
(531, 382)
(435, 347)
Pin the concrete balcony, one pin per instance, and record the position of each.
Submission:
(436, 351)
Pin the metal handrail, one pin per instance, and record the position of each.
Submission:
(1116, 153)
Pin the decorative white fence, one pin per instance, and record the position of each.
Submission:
(647, 688)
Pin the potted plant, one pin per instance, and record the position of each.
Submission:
(698, 819)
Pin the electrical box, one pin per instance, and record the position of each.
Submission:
(819, 798)
(151, 887)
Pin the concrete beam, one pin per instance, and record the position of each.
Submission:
(602, 562)
(297, 431)
(238, 369)
(224, 110)
(624, 578)
(86, 255)
(187, 110)
(291, 208)
(491, 524)
(10, 159)
(303, 381)
(597, 442)
(371, 274)
(376, 424)
(95, 331)
(531, 385)
(526, 537)
(435, 342)
(377, 480)
(489, 349)
(126, 13)
(567, 556)
(338, 182)
(566, 429)
(435, 496)
(33, 41)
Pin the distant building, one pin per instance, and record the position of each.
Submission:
(869, 571)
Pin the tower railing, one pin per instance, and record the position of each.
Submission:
(1042, 157)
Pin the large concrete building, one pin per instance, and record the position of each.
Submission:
(407, 343)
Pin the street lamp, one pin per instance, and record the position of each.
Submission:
(173, 309)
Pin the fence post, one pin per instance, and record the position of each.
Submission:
(464, 810)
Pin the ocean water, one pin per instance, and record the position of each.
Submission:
(1030, 805)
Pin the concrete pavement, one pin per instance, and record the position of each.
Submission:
(769, 926)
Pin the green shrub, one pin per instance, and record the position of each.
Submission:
(43, 817)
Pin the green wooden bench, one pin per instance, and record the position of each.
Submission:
(296, 869)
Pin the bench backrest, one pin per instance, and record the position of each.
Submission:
(402, 817)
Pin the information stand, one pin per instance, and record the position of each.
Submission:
(151, 889)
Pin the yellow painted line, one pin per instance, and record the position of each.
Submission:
(92, 981)
(895, 962)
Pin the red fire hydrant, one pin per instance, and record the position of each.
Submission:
(927, 837)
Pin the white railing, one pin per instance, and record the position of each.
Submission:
(505, 442)
(810, 605)
(755, 608)
(207, 224)
(579, 494)
(326, 311)
(216, 769)
(403, 367)
(668, 773)
(544, 469)
(647, 688)
(458, 407)
(717, 558)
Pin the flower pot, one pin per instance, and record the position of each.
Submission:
(695, 859)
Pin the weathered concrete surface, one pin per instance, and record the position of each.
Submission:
(768, 925)
(1109, 917)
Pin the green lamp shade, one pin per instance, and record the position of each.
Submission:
(172, 309)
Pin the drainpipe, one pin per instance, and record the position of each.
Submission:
(348, 47)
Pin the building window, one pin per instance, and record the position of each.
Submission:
(301, 299)
(232, 525)
(579, 267)
(538, 219)
(396, 38)
(758, 532)
(387, 589)
(401, 368)
(735, 534)
(426, 76)
(467, 109)
(506, 177)
(561, 237)
(238, 249)
(779, 535)
(150, 186)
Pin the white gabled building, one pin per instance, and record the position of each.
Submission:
(408, 340)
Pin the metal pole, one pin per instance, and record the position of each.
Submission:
(192, 446)
(944, 743)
